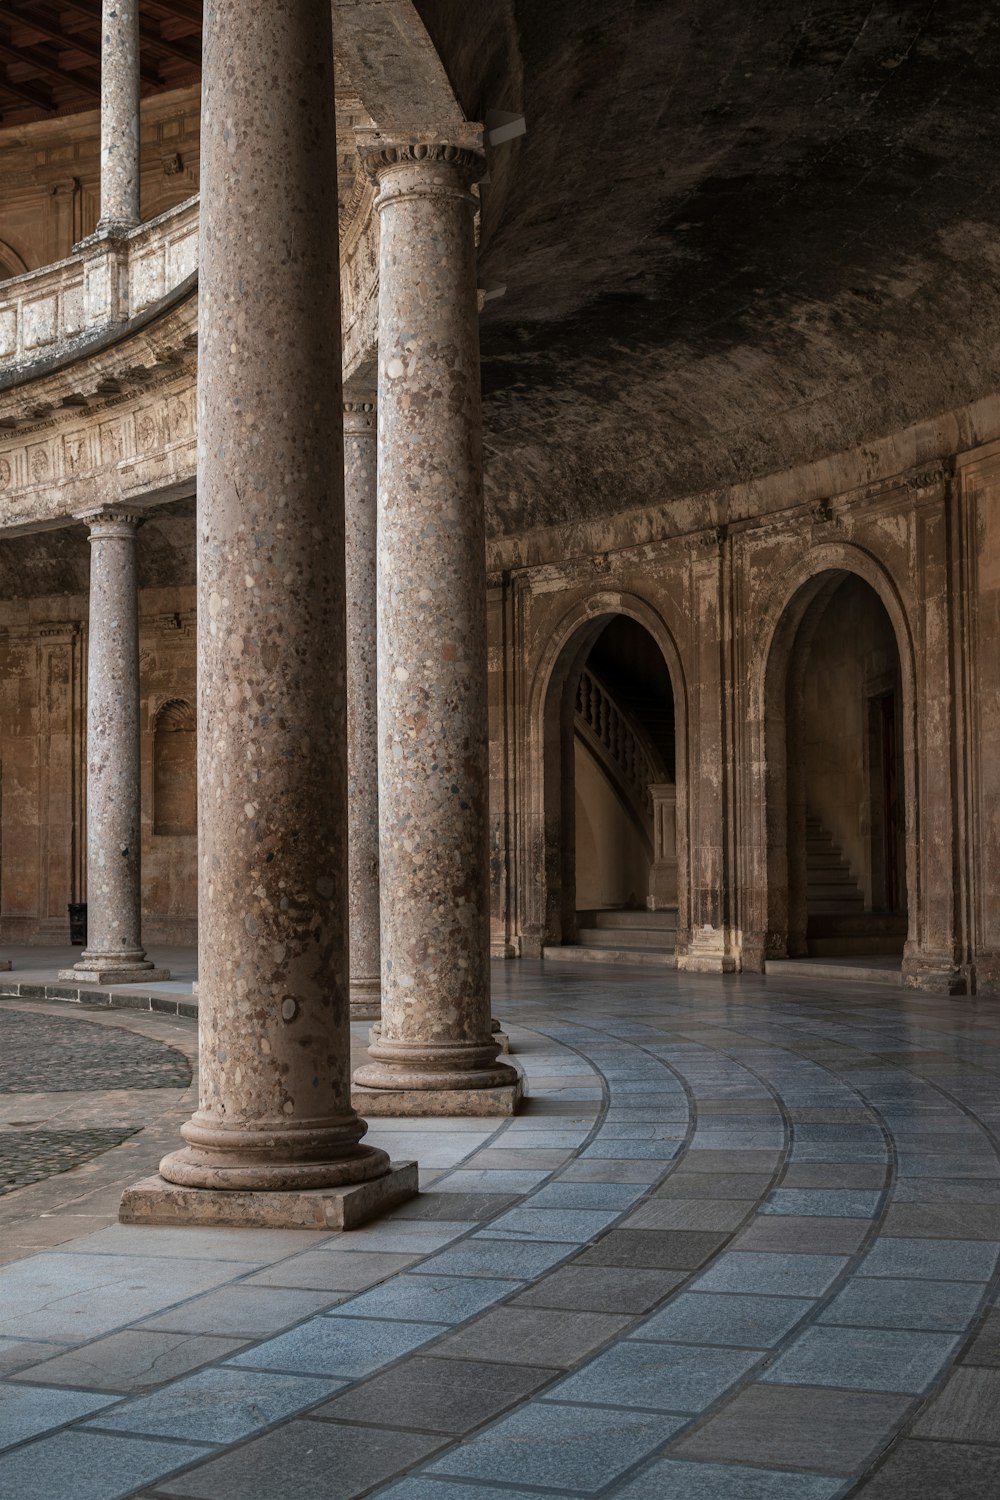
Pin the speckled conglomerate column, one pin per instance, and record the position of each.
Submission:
(114, 951)
(119, 115)
(432, 713)
(360, 468)
(274, 1110)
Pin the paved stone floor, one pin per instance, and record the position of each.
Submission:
(741, 1245)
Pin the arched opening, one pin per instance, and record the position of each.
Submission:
(611, 794)
(836, 749)
(175, 779)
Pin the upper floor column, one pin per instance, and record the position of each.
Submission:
(436, 1035)
(119, 115)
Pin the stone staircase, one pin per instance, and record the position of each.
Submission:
(838, 925)
(625, 937)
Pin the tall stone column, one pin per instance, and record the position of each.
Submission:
(119, 115)
(360, 467)
(436, 1037)
(275, 1139)
(114, 953)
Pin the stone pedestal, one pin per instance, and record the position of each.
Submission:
(436, 1026)
(119, 116)
(663, 873)
(360, 468)
(114, 953)
(274, 1115)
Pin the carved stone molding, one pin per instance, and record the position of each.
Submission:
(466, 163)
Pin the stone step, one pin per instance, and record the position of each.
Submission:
(645, 957)
(832, 890)
(821, 907)
(616, 919)
(849, 947)
(629, 937)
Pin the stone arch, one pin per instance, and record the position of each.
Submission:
(11, 264)
(790, 620)
(175, 780)
(550, 731)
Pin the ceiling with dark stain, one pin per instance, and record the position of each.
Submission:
(738, 235)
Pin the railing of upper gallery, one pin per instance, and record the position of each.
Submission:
(620, 745)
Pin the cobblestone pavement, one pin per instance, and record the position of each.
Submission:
(46, 1053)
(742, 1244)
(29, 1155)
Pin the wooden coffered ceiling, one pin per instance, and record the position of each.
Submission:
(50, 54)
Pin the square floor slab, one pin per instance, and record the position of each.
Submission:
(561, 1447)
(967, 1410)
(745, 1186)
(832, 1431)
(600, 1289)
(495, 1258)
(27, 1410)
(82, 1465)
(749, 1322)
(687, 1213)
(345, 1347)
(668, 1250)
(675, 1479)
(874, 1302)
(532, 1336)
(573, 1225)
(773, 1274)
(333, 1270)
(938, 1470)
(937, 1260)
(243, 1311)
(443, 1395)
(661, 1377)
(131, 1360)
(429, 1299)
(216, 1406)
(795, 1236)
(867, 1359)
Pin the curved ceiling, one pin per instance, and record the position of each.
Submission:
(739, 235)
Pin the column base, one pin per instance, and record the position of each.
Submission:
(106, 974)
(497, 1033)
(475, 1102)
(156, 1201)
(366, 999)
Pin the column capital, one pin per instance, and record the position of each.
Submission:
(360, 414)
(111, 520)
(401, 167)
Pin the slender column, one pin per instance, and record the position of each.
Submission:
(360, 452)
(114, 952)
(432, 703)
(275, 1111)
(119, 115)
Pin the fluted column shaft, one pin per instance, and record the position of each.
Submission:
(432, 699)
(360, 468)
(119, 115)
(274, 1109)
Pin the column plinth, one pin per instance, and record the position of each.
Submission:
(119, 116)
(360, 468)
(114, 953)
(275, 1117)
(436, 1034)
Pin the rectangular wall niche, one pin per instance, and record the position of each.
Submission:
(175, 782)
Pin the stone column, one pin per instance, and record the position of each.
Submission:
(119, 116)
(360, 452)
(275, 1139)
(663, 874)
(114, 953)
(436, 1037)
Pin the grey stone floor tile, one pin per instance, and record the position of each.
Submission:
(712, 1160)
(518, 1158)
(832, 1431)
(833, 1174)
(939, 1190)
(950, 1221)
(495, 1258)
(422, 1487)
(219, 1405)
(669, 1250)
(868, 1359)
(967, 1410)
(262, 1245)
(849, 1203)
(429, 1299)
(614, 1196)
(675, 1479)
(82, 1465)
(573, 1225)
(985, 1348)
(27, 1410)
(939, 1471)
(781, 1232)
(243, 1311)
(745, 1186)
(562, 1447)
(305, 1460)
(532, 1336)
(617, 1150)
(610, 1169)
(20, 1354)
(642, 1130)
(442, 1395)
(662, 1377)
(938, 1260)
(600, 1289)
(774, 1274)
(343, 1347)
(333, 1270)
(687, 1213)
(880, 1302)
(408, 1236)
(750, 1322)
(491, 1181)
(131, 1360)
(455, 1205)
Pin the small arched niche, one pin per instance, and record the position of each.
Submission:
(175, 778)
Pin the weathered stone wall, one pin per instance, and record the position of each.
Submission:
(43, 646)
(612, 866)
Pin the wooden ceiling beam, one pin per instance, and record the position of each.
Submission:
(28, 93)
(183, 10)
(69, 40)
(30, 59)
